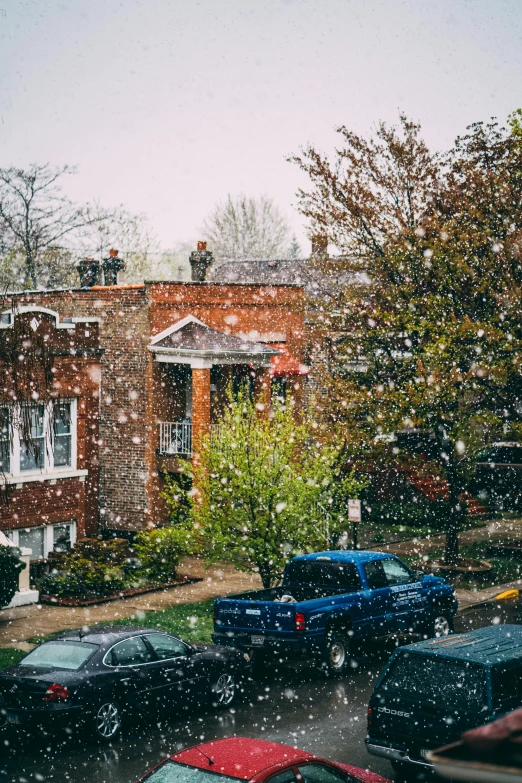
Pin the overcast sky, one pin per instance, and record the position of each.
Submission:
(168, 105)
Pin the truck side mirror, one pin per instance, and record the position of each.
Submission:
(419, 575)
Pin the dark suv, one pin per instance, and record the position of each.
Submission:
(432, 691)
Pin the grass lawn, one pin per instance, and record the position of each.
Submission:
(10, 655)
(192, 622)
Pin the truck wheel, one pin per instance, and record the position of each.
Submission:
(337, 652)
(441, 623)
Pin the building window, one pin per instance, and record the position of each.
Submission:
(42, 540)
(51, 443)
(5, 452)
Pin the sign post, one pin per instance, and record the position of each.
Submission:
(354, 516)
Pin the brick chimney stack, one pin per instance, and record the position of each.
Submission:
(111, 266)
(200, 260)
(319, 246)
(89, 271)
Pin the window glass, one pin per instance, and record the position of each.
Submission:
(318, 773)
(507, 685)
(317, 572)
(62, 435)
(32, 452)
(130, 652)
(166, 646)
(32, 538)
(443, 685)
(375, 575)
(61, 538)
(283, 777)
(5, 456)
(396, 573)
(172, 772)
(60, 655)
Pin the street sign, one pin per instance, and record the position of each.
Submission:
(354, 510)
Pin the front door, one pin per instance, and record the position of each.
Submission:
(408, 598)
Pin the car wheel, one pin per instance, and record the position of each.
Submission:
(106, 721)
(442, 624)
(337, 652)
(223, 690)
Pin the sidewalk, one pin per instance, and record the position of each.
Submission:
(24, 622)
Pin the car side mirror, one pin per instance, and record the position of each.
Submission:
(419, 575)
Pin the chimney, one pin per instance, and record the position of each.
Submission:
(319, 245)
(111, 267)
(89, 270)
(200, 260)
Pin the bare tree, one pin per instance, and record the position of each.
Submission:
(244, 227)
(35, 216)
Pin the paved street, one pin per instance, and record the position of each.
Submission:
(298, 705)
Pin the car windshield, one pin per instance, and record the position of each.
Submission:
(432, 682)
(501, 454)
(172, 772)
(59, 655)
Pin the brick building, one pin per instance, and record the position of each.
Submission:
(49, 483)
(170, 349)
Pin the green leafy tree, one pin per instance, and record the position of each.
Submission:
(10, 567)
(434, 340)
(268, 489)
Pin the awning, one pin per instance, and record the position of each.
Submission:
(284, 364)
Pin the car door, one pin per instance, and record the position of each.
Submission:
(131, 659)
(177, 674)
(376, 599)
(408, 598)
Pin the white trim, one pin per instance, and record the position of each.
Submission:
(56, 475)
(36, 309)
(86, 320)
(189, 319)
(204, 360)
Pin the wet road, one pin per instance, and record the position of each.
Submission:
(299, 706)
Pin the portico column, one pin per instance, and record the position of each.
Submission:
(200, 408)
(262, 389)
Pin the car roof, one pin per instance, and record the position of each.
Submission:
(240, 757)
(103, 634)
(344, 556)
(490, 645)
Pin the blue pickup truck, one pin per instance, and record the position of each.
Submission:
(329, 598)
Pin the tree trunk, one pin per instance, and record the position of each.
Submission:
(266, 575)
(451, 553)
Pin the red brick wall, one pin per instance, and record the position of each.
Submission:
(55, 500)
(131, 399)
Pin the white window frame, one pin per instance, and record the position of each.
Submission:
(48, 469)
(14, 535)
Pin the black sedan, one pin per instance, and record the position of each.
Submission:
(93, 678)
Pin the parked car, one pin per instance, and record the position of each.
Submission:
(95, 677)
(241, 758)
(432, 691)
(497, 475)
(328, 599)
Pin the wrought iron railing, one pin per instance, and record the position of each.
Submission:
(175, 437)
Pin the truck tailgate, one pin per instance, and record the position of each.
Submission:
(253, 616)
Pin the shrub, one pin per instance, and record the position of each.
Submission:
(161, 550)
(77, 576)
(10, 567)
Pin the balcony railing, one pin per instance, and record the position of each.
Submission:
(175, 437)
